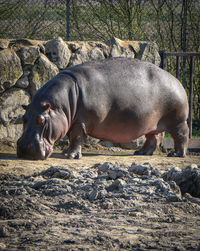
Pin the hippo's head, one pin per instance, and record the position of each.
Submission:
(42, 126)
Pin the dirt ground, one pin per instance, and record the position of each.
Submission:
(48, 212)
(91, 155)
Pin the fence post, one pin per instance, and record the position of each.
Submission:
(163, 60)
(68, 19)
(177, 67)
(184, 40)
(191, 95)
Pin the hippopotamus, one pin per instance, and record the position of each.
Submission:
(116, 99)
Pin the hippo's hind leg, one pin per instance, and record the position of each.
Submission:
(180, 134)
(151, 143)
(76, 138)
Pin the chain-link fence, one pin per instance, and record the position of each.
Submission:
(34, 19)
(173, 24)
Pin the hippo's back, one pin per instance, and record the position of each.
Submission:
(123, 94)
(128, 83)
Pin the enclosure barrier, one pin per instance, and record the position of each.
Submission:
(164, 55)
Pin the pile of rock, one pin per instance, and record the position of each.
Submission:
(66, 207)
(26, 65)
(106, 185)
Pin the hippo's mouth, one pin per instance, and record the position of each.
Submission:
(45, 150)
(38, 150)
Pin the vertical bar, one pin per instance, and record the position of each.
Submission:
(177, 67)
(163, 60)
(184, 35)
(184, 40)
(68, 18)
(191, 95)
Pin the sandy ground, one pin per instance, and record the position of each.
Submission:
(91, 155)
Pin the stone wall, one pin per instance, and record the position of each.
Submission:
(26, 65)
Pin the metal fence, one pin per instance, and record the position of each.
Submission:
(186, 68)
(34, 19)
(173, 24)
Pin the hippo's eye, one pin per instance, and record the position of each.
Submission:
(40, 120)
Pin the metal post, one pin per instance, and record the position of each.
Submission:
(163, 60)
(177, 67)
(68, 18)
(184, 39)
(191, 95)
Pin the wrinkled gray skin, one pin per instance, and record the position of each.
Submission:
(117, 99)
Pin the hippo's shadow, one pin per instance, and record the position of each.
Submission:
(106, 154)
(11, 156)
(59, 155)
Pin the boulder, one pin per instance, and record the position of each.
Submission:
(29, 64)
(28, 55)
(58, 52)
(187, 179)
(10, 69)
(146, 51)
(86, 52)
(105, 49)
(4, 43)
(42, 71)
(23, 82)
(10, 133)
(11, 112)
(149, 52)
(134, 144)
(119, 48)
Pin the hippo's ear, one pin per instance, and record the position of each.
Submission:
(24, 107)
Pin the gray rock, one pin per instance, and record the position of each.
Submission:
(106, 143)
(96, 54)
(116, 185)
(140, 169)
(42, 71)
(10, 104)
(86, 53)
(149, 52)
(3, 232)
(4, 44)
(23, 82)
(88, 174)
(11, 112)
(117, 173)
(188, 179)
(171, 173)
(105, 167)
(24, 65)
(120, 48)
(93, 195)
(135, 144)
(113, 170)
(10, 133)
(58, 52)
(57, 172)
(10, 69)
(28, 55)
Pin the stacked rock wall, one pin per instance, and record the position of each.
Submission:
(26, 65)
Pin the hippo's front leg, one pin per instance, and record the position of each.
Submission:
(76, 138)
